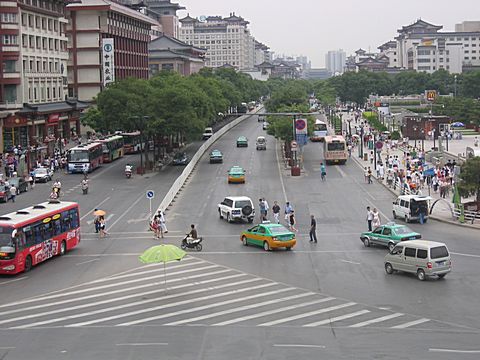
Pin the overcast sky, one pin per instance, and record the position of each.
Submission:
(312, 27)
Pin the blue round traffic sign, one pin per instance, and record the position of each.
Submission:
(150, 194)
(300, 124)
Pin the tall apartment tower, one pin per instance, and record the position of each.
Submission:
(335, 61)
(228, 40)
(165, 12)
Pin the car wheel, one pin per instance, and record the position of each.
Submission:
(266, 247)
(250, 220)
(28, 264)
(441, 276)
(406, 218)
(366, 242)
(220, 214)
(421, 275)
(244, 240)
(391, 246)
(394, 215)
(389, 268)
(228, 218)
(288, 248)
(63, 248)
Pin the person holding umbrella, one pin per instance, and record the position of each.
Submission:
(96, 219)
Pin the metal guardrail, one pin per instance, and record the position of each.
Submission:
(180, 182)
(468, 215)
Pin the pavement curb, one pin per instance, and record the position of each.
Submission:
(433, 217)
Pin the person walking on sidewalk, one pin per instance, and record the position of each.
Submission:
(369, 218)
(369, 175)
(365, 174)
(313, 229)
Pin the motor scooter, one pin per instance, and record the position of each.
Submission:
(189, 243)
(128, 174)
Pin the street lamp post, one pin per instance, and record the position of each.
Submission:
(455, 86)
(423, 138)
(140, 124)
(415, 134)
(361, 142)
(433, 134)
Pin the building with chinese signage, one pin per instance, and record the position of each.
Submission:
(33, 83)
(108, 41)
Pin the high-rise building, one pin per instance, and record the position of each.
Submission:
(33, 80)
(335, 61)
(108, 42)
(228, 40)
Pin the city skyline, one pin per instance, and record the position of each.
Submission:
(350, 31)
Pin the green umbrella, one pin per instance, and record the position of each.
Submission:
(162, 254)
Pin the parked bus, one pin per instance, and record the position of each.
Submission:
(84, 158)
(131, 142)
(37, 233)
(335, 149)
(319, 130)
(112, 147)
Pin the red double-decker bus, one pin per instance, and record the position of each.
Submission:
(37, 233)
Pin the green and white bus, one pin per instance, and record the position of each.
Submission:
(112, 147)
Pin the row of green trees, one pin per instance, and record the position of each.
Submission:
(171, 104)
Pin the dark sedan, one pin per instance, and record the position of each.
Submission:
(180, 158)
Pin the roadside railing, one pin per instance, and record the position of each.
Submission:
(180, 182)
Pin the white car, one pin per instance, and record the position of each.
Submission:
(234, 208)
(207, 133)
(43, 174)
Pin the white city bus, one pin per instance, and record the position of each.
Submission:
(335, 149)
(319, 130)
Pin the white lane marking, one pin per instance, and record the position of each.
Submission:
(75, 292)
(141, 197)
(273, 311)
(31, 316)
(411, 323)
(342, 173)
(142, 344)
(467, 255)
(459, 351)
(350, 262)
(118, 307)
(363, 189)
(86, 262)
(300, 346)
(14, 280)
(337, 318)
(89, 213)
(204, 307)
(164, 306)
(237, 309)
(7, 347)
(310, 313)
(376, 320)
(280, 171)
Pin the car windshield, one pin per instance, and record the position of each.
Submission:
(77, 156)
(242, 203)
(179, 156)
(403, 230)
(275, 230)
(5, 236)
(41, 171)
(438, 252)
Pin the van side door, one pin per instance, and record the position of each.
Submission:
(410, 259)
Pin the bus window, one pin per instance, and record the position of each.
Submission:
(66, 221)
(29, 238)
(20, 241)
(47, 230)
(74, 217)
(57, 227)
(38, 233)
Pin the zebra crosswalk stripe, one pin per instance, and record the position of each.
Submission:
(376, 320)
(337, 318)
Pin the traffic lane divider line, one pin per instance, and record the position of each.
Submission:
(300, 346)
(89, 213)
(142, 344)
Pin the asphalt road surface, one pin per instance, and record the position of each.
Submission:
(331, 300)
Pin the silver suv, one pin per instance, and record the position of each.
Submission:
(235, 208)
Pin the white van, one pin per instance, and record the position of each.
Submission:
(408, 207)
(261, 143)
(421, 257)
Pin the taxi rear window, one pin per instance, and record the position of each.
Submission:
(278, 230)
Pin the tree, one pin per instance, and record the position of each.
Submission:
(469, 184)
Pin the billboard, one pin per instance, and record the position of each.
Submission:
(108, 61)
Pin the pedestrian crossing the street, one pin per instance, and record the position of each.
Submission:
(199, 293)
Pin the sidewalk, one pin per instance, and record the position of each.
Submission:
(443, 209)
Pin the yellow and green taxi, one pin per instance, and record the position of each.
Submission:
(236, 174)
(269, 236)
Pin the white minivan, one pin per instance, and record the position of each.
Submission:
(408, 207)
(420, 257)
